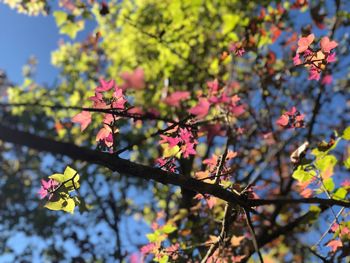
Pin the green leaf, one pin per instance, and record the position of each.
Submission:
(169, 228)
(230, 22)
(66, 177)
(347, 163)
(329, 184)
(346, 134)
(72, 28)
(301, 175)
(326, 162)
(340, 194)
(164, 259)
(64, 203)
(152, 237)
(60, 17)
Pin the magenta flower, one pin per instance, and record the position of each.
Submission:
(47, 187)
(314, 74)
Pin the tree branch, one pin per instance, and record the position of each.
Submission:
(123, 166)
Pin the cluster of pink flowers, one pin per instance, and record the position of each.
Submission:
(291, 119)
(108, 95)
(217, 98)
(315, 60)
(47, 188)
(237, 49)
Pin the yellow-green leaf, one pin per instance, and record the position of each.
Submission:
(346, 134)
(65, 204)
(60, 17)
(340, 194)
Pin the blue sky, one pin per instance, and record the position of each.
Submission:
(24, 36)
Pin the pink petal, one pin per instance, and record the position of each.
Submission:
(83, 118)
(305, 42)
(327, 45)
(331, 58)
(105, 85)
(334, 245)
(283, 120)
(103, 134)
(42, 192)
(175, 98)
(201, 109)
(296, 60)
(134, 80)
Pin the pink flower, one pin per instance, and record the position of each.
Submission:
(149, 248)
(334, 245)
(105, 135)
(213, 85)
(314, 74)
(296, 60)
(108, 119)
(305, 42)
(327, 45)
(291, 119)
(188, 149)
(47, 187)
(327, 80)
(237, 49)
(211, 201)
(105, 85)
(170, 140)
(83, 118)
(201, 109)
(135, 258)
(175, 98)
(283, 120)
(331, 58)
(134, 80)
(334, 227)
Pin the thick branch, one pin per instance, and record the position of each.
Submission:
(123, 166)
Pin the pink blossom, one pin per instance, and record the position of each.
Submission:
(283, 120)
(118, 99)
(314, 74)
(108, 119)
(211, 201)
(331, 57)
(296, 60)
(175, 98)
(213, 85)
(305, 42)
(188, 149)
(237, 49)
(327, 45)
(291, 119)
(135, 258)
(134, 80)
(149, 248)
(83, 118)
(327, 80)
(170, 140)
(334, 245)
(334, 227)
(346, 183)
(237, 110)
(47, 187)
(344, 231)
(105, 85)
(201, 109)
(105, 135)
